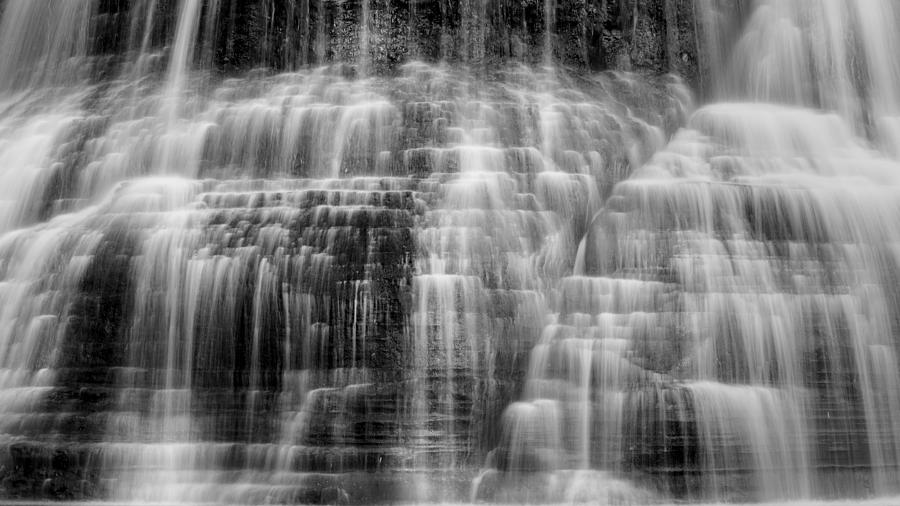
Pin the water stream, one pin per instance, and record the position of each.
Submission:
(452, 281)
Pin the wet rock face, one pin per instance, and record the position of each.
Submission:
(270, 251)
(335, 303)
(324, 333)
(378, 35)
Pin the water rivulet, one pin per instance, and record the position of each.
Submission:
(307, 251)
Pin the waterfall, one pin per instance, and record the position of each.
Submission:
(44, 42)
(365, 38)
(550, 7)
(362, 252)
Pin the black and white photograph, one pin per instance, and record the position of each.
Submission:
(450, 252)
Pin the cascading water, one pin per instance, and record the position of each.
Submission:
(494, 277)
(730, 317)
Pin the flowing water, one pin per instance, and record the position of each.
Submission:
(448, 283)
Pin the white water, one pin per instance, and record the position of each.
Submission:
(764, 235)
(329, 279)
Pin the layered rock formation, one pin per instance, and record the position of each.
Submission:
(319, 251)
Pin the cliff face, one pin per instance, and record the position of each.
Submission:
(654, 35)
(375, 312)
(319, 251)
(330, 296)
(279, 322)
